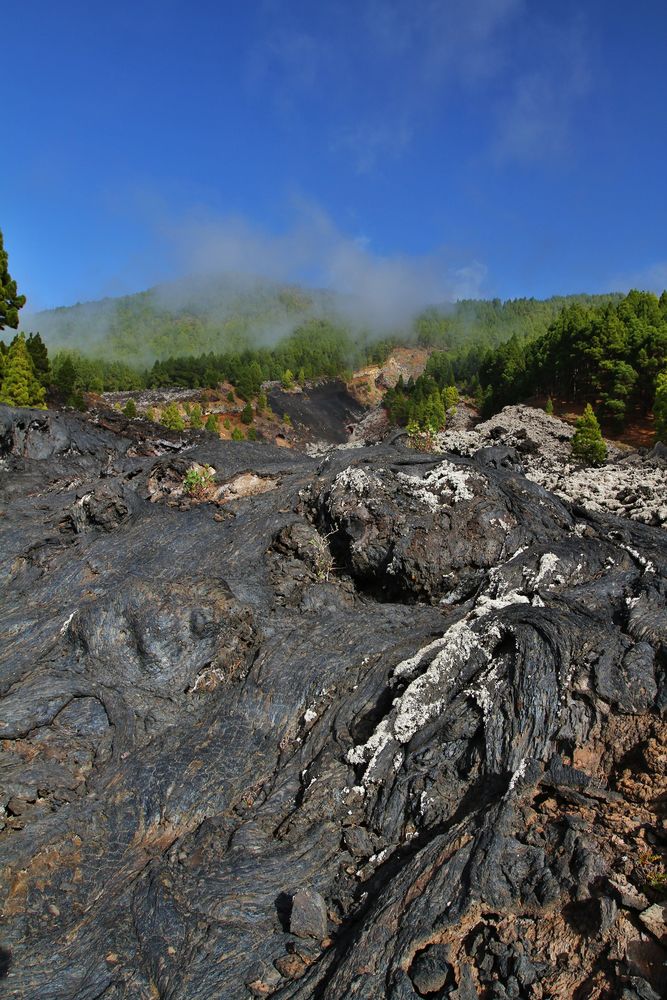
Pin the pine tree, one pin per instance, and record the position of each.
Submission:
(247, 414)
(244, 384)
(549, 406)
(65, 378)
(130, 409)
(171, 418)
(660, 408)
(256, 377)
(450, 397)
(433, 416)
(10, 300)
(212, 423)
(40, 358)
(196, 421)
(20, 386)
(587, 444)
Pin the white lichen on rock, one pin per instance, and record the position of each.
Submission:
(447, 482)
(548, 564)
(486, 604)
(628, 484)
(427, 693)
(646, 564)
(357, 481)
(407, 669)
(68, 621)
(518, 773)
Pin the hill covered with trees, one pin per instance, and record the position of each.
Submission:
(198, 333)
(609, 351)
(224, 315)
(184, 318)
(484, 323)
(609, 355)
(606, 352)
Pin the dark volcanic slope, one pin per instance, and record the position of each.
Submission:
(323, 410)
(386, 726)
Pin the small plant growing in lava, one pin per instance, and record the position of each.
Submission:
(420, 440)
(199, 481)
(322, 557)
(652, 870)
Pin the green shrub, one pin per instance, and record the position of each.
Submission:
(199, 482)
(418, 438)
(130, 409)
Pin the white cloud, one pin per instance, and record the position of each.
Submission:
(534, 119)
(383, 71)
(372, 143)
(457, 38)
(383, 291)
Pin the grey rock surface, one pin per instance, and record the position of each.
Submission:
(423, 688)
(628, 484)
(309, 915)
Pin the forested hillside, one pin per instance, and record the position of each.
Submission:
(183, 318)
(198, 333)
(221, 316)
(606, 350)
(489, 322)
(609, 353)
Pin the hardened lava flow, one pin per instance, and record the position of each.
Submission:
(377, 724)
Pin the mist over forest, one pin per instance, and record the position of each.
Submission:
(229, 314)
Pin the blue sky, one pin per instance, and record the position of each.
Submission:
(421, 149)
